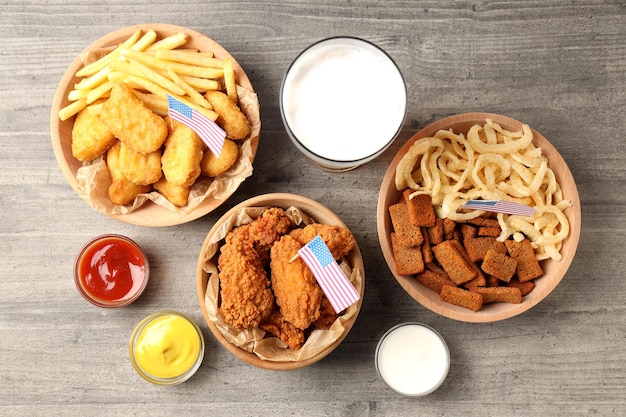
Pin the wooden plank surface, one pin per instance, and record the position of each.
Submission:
(559, 66)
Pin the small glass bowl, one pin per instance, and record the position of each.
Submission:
(138, 285)
(133, 344)
(412, 359)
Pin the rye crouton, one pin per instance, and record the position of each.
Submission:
(453, 262)
(408, 258)
(499, 265)
(407, 233)
(461, 297)
(527, 265)
(433, 280)
(420, 208)
(499, 294)
(477, 247)
(524, 287)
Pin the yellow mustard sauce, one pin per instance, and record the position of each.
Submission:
(167, 347)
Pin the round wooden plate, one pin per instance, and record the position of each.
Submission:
(320, 214)
(553, 271)
(149, 214)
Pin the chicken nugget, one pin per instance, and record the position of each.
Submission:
(121, 191)
(182, 155)
(230, 118)
(140, 168)
(131, 121)
(212, 165)
(90, 137)
(175, 194)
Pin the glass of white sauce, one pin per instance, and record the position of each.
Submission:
(343, 101)
(412, 359)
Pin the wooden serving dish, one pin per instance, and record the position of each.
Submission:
(553, 271)
(320, 214)
(149, 214)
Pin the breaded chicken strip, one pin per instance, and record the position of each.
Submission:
(90, 137)
(267, 229)
(277, 325)
(132, 122)
(230, 118)
(296, 290)
(338, 239)
(121, 191)
(182, 155)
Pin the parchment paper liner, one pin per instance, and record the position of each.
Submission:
(254, 340)
(94, 179)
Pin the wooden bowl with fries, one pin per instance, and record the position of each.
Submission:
(416, 162)
(253, 345)
(151, 208)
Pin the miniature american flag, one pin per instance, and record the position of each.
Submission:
(500, 206)
(209, 131)
(334, 283)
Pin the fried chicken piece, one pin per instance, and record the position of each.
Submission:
(121, 191)
(327, 315)
(140, 168)
(131, 121)
(175, 194)
(245, 294)
(182, 155)
(338, 239)
(296, 290)
(90, 137)
(267, 229)
(230, 118)
(276, 325)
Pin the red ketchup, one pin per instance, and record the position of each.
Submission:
(111, 271)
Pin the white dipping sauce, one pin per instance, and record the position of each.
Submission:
(343, 100)
(412, 359)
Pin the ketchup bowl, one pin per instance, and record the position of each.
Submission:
(111, 271)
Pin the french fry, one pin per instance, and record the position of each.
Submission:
(107, 59)
(201, 59)
(170, 42)
(229, 80)
(139, 70)
(193, 70)
(202, 85)
(72, 108)
(102, 90)
(93, 80)
(146, 40)
(156, 103)
(191, 92)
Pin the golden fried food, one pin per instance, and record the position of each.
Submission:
(121, 191)
(327, 315)
(338, 239)
(140, 168)
(175, 194)
(267, 229)
(230, 118)
(90, 137)
(132, 122)
(182, 155)
(245, 294)
(296, 290)
(276, 325)
(212, 165)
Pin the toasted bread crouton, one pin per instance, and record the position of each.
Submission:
(527, 265)
(449, 226)
(489, 231)
(499, 294)
(420, 208)
(525, 287)
(467, 231)
(433, 281)
(408, 234)
(499, 265)
(477, 247)
(483, 222)
(408, 258)
(435, 233)
(461, 297)
(427, 250)
(454, 263)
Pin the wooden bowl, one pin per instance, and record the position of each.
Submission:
(149, 214)
(320, 214)
(554, 271)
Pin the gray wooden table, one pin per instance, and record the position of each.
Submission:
(557, 65)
